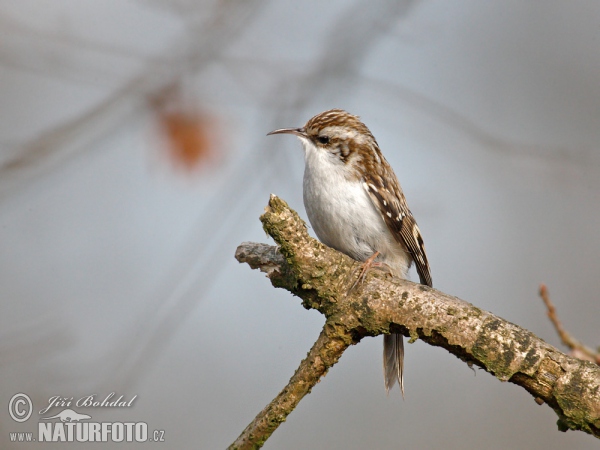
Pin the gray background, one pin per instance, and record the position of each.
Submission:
(117, 269)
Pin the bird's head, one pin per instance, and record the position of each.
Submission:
(339, 133)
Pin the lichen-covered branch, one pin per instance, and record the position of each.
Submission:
(322, 278)
(328, 349)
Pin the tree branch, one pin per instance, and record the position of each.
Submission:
(328, 349)
(322, 277)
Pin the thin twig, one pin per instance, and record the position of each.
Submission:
(578, 349)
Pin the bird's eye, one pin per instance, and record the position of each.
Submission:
(323, 139)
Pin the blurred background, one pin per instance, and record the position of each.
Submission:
(134, 161)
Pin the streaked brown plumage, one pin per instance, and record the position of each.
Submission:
(355, 204)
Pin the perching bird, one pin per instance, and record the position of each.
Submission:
(355, 205)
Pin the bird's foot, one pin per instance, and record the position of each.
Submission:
(364, 268)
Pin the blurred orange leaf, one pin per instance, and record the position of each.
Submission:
(188, 138)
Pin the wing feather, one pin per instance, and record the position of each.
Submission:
(386, 195)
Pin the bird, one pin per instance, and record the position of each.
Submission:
(356, 206)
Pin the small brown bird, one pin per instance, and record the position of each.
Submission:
(355, 205)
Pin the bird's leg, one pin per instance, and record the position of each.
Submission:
(366, 266)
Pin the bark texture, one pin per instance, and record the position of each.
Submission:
(322, 278)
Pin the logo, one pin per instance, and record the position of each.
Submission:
(68, 415)
(69, 425)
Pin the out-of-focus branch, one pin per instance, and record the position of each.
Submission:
(53, 147)
(578, 349)
(322, 277)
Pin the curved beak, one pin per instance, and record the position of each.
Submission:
(301, 132)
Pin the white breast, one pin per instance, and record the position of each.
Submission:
(342, 213)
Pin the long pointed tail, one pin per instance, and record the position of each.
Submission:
(393, 361)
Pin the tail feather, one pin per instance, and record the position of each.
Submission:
(393, 361)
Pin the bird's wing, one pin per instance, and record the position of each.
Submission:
(386, 195)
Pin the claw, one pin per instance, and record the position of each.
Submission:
(365, 267)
